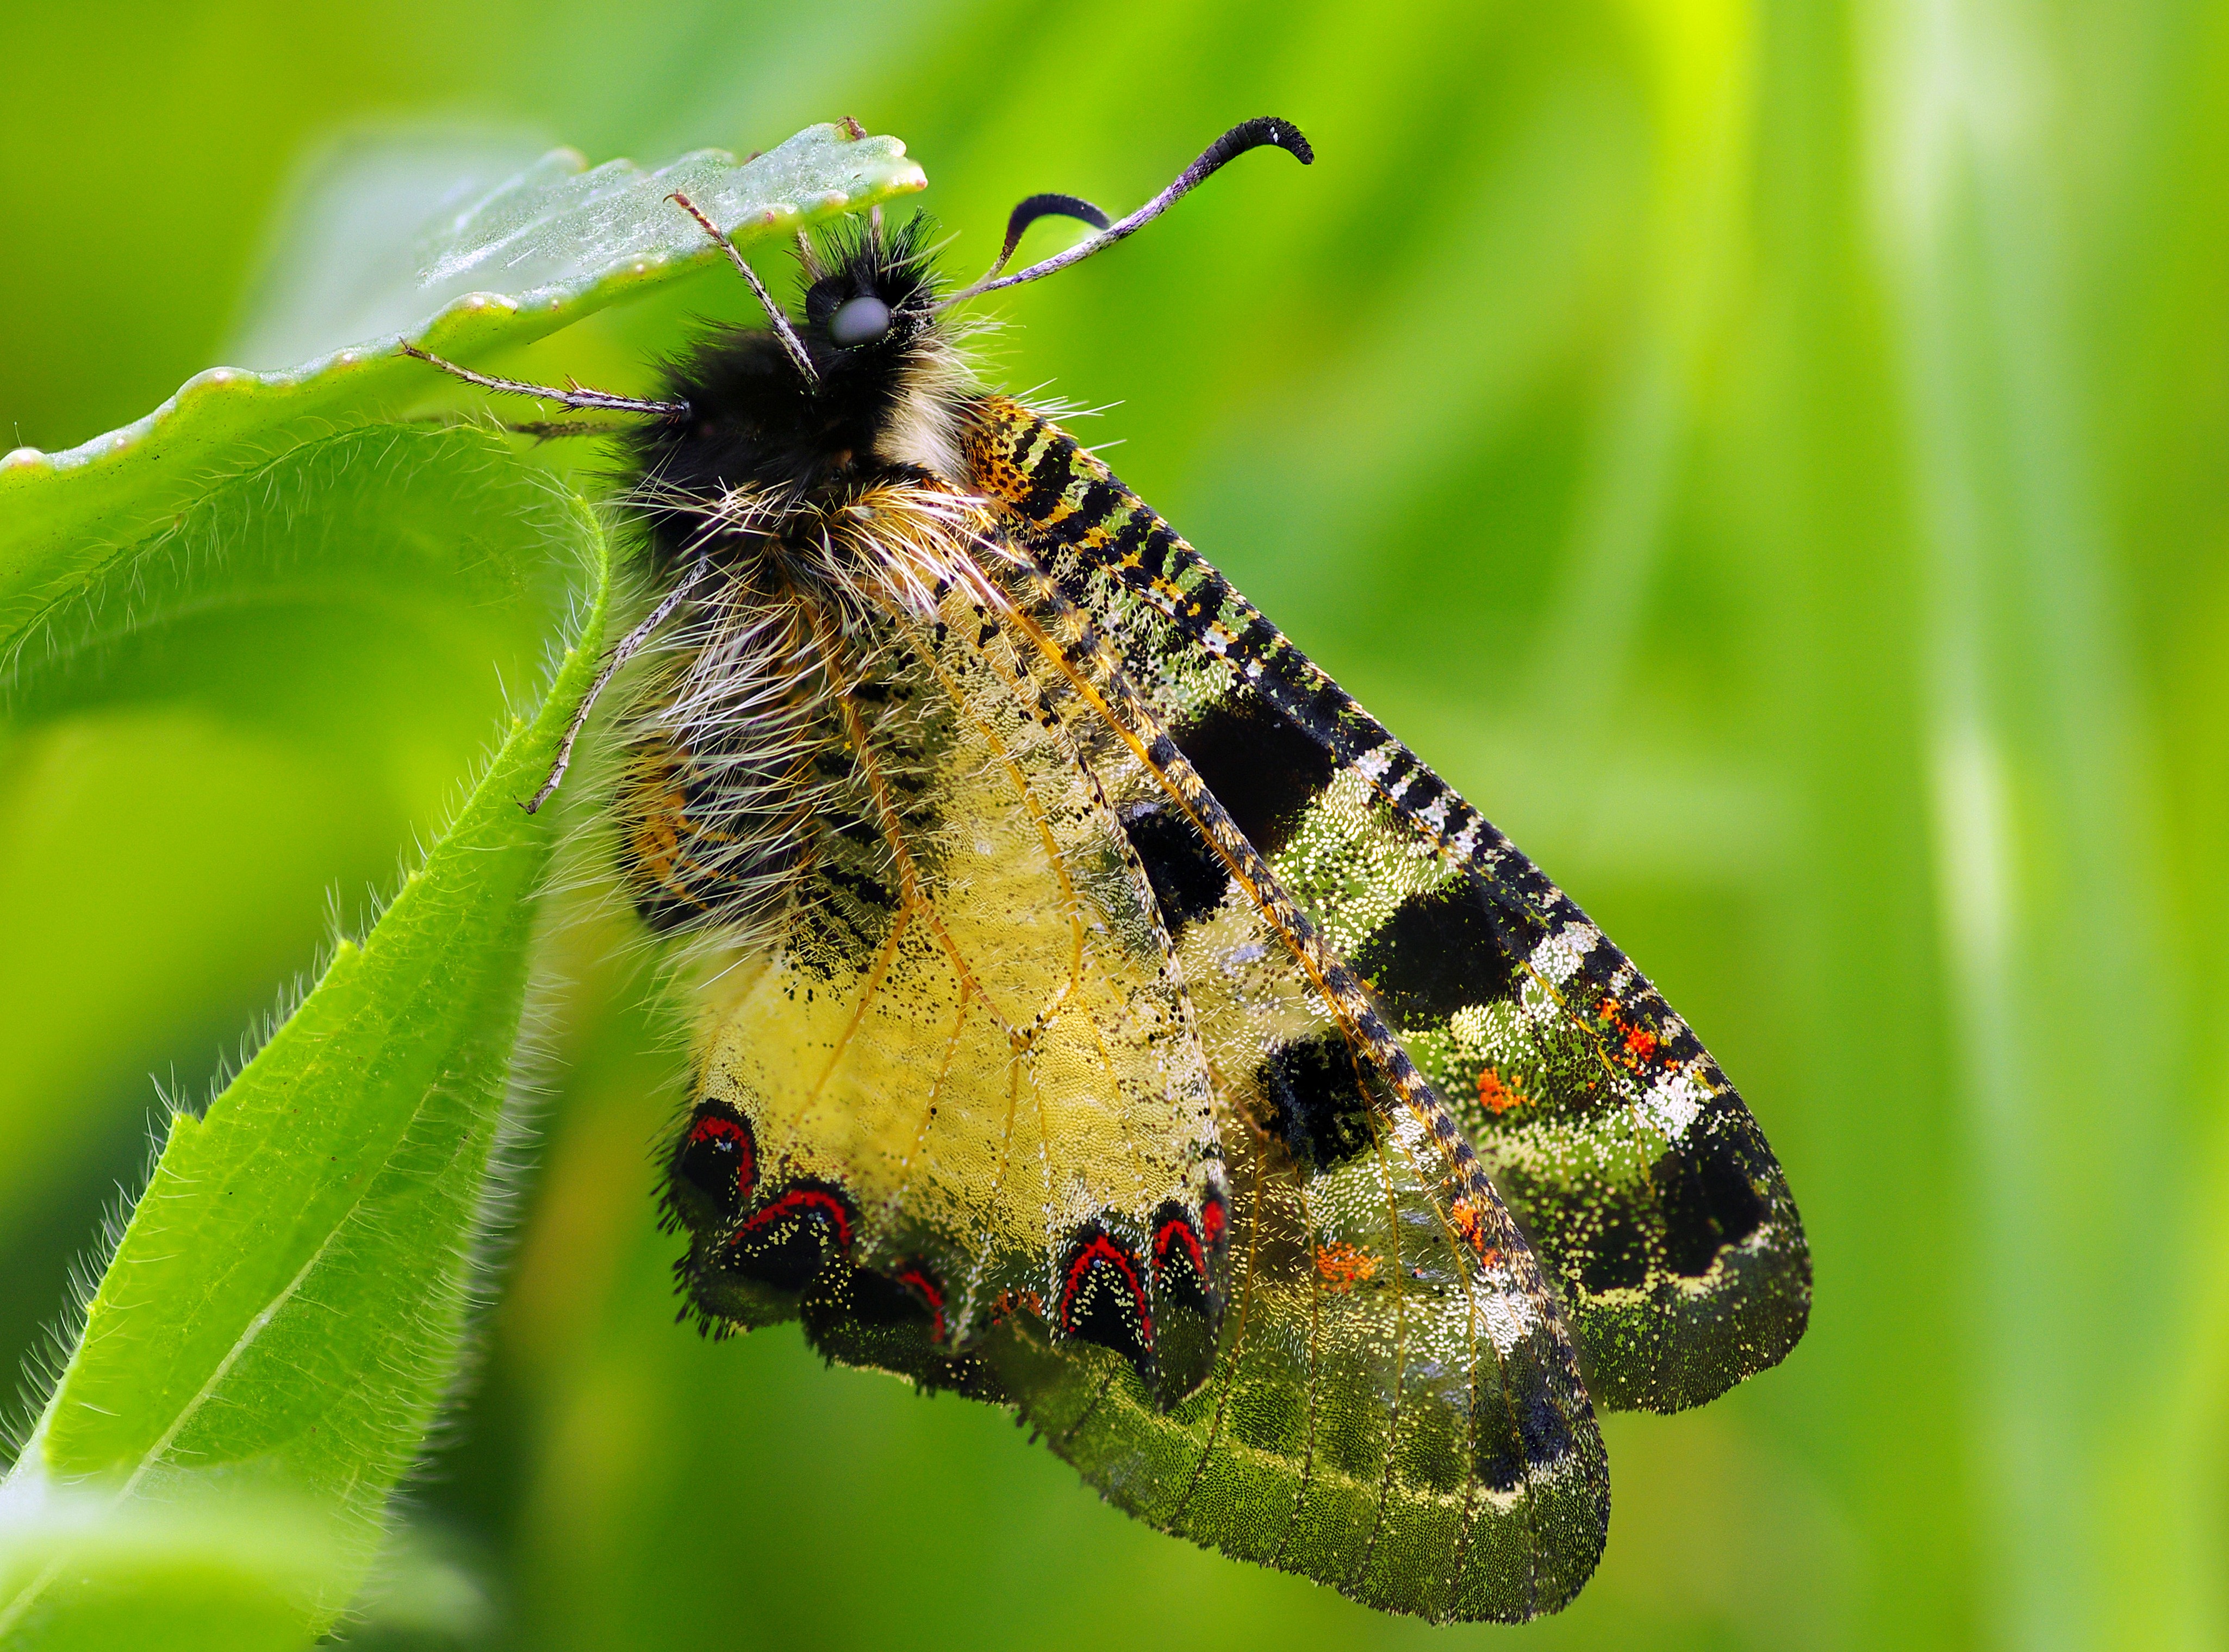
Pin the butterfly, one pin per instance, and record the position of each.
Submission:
(1099, 1013)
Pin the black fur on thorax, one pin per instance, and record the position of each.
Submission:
(755, 424)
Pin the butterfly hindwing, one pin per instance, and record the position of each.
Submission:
(1363, 1427)
(951, 1074)
(1629, 1157)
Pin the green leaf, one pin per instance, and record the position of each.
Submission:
(283, 1314)
(229, 1575)
(564, 243)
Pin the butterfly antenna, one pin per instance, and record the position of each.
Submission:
(1250, 134)
(782, 329)
(1043, 206)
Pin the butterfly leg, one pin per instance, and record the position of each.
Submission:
(554, 429)
(575, 396)
(540, 429)
(626, 651)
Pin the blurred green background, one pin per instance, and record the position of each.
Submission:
(1770, 457)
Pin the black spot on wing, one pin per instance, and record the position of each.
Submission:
(715, 1167)
(783, 1243)
(879, 1322)
(874, 1300)
(1049, 481)
(1187, 1307)
(1708, 1192)
(1182, 1273)
(1497, 1450)
(1617, 1259)
(1440, 951)
(1099, 500)
(1105, 1298)
(1519, 1425)
(1130, 539)
(1155, 548)
(1542, 1426)
(1188, 877)
(1263, 769)
(1317, 1105)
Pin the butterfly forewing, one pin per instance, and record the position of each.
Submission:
(1397, 1411)
(1631, 1160)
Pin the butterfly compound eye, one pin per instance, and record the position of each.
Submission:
(860, 321)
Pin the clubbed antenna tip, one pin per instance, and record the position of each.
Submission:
(1265, 131)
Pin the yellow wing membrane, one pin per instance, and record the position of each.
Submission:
(958, 1059)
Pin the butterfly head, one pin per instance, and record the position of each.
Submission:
(869, 294)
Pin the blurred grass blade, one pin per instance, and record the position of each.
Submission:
(2054, 893)
(285, 1307)
(562, 243)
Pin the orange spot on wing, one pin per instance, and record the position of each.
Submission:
(1342, 1267)
(1633, 1044)
(1496, 1095)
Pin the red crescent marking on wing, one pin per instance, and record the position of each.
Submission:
(1104, 1248)
(798, 1201)
(920, 1280)
(1182, 1228)
(1211, 1219)
(712, 1127)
